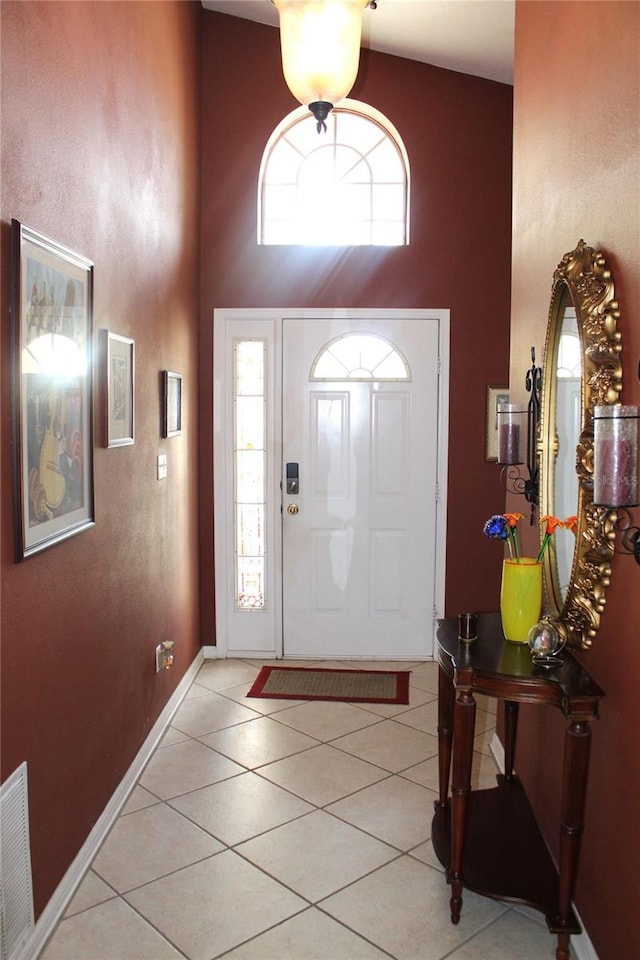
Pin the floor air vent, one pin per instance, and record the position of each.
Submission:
(16, 894)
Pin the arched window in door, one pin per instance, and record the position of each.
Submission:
(360, 356)
(348, 187)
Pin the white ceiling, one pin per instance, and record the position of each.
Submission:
(469, 36)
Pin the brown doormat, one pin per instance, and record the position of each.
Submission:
(355, 686)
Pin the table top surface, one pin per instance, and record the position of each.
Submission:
(493, 665)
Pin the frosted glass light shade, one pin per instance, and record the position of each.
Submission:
(320, 42)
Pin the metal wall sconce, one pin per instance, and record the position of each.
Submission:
(512, 423)
(629, 533)
(615, 469)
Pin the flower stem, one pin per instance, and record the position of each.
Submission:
(514, 534)
(547, 537)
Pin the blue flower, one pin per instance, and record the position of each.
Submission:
(496, 527)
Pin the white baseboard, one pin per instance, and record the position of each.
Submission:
(580, 943)
(497, 752)
(210, 653)
(52, 913)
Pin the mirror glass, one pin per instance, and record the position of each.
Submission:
(566, 414)
(583, 368)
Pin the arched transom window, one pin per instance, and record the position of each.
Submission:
(348, 186)
(357, 356)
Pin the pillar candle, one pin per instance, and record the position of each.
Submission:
(615, 456)
(615, 483)
(509, 443)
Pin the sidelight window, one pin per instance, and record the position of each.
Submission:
(249, 473)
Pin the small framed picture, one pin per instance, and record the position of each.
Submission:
(171, 403)
(495, 395)
(119, 379)
(53, 411)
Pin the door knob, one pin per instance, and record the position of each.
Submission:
(292, 509)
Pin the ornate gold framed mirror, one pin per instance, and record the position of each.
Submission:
(582, 368)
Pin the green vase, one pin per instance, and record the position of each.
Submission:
(520, 597)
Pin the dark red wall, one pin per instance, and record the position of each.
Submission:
(576, 175)
(100, 150)
(457, 130)
(100, 111)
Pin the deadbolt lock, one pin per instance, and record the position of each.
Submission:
(293, 479)
(292, 509)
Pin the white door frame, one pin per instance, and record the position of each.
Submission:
(266, 323)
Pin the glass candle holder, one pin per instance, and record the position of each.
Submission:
(615, 456)
(510, 433)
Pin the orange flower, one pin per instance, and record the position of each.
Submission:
(552, 524)
(512, 523)
(512, 518)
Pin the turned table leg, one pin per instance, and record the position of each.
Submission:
(445, 735)
(577, 744)
(464, 719)
(510, 730)
(562, 950)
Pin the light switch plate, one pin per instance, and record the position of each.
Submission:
(162, 466)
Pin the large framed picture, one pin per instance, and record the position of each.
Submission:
(495, 396)
(53, 391)
(119, 381)
(172, 403)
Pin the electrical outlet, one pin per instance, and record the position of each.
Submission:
(164, 655)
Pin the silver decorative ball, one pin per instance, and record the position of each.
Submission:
(544, 639)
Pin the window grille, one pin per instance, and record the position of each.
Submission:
(348, 187)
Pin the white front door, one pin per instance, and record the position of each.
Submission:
(353, 545)
(359, 527)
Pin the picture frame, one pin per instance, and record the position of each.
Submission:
(52, 312)
(495, 395)
(119, 379)
(171, 403)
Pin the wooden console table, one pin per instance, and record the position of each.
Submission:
(488, 840)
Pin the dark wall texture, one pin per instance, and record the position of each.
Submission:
(576, 175)
(100, 125)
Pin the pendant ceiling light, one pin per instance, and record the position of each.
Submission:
(320, 42)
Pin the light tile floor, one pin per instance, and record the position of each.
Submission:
(282, 830)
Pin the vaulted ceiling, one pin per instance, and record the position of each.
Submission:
(469, 36)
